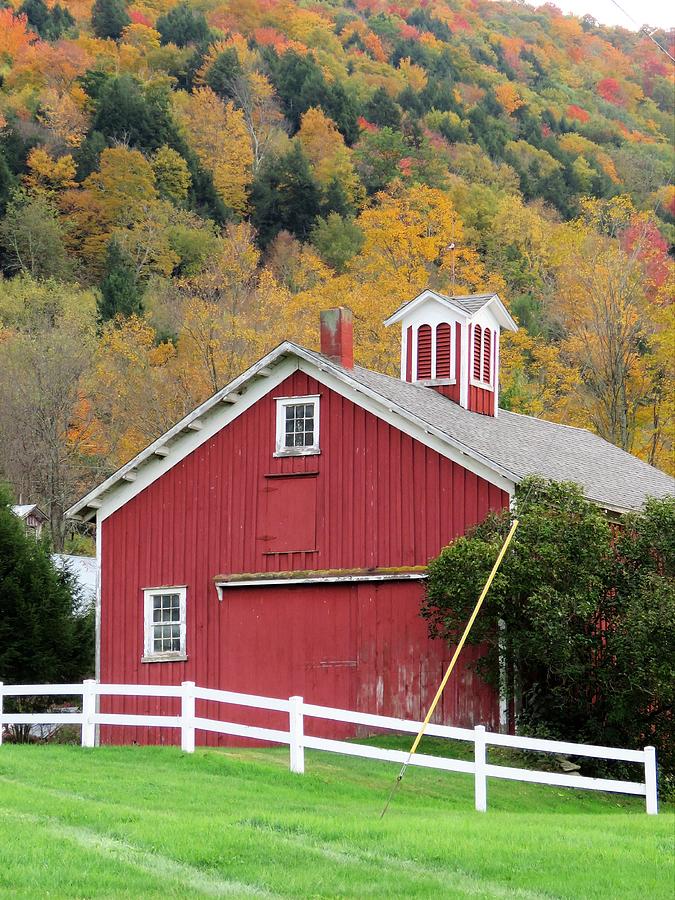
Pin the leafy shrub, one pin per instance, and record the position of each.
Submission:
(582, 613)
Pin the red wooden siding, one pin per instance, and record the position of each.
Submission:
(372, 498)
(481, 400)
(424, 352)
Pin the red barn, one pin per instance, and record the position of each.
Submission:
(274, 541)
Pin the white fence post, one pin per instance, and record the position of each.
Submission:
(480, 759)
(1, 725)
(652, 794)
(296, 729)
(187, 717)
(88, 712)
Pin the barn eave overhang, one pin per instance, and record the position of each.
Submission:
(187, 434)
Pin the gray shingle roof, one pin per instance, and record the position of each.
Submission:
(523, 445)
(471, 302)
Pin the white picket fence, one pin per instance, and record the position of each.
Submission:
(298, 740)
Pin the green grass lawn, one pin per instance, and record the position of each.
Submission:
(152, 822)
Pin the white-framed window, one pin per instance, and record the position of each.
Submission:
(164, 616)
(297, 426)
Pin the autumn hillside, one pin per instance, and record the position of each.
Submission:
(183, 186)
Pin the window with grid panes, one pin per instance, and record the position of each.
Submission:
(297, 425)
(165, 623)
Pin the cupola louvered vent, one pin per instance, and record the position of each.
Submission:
(477, 345)
(487, 354)
(424, 352)
(443, 344)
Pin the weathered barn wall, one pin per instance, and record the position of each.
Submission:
(372, 498)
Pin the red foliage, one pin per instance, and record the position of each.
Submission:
(576, 112)
(270, 37)
(370, 6)
(654, 66)
(405, 165)
(459, 23)
(365, 125)
(137, 18)
(610, 90)
(546, 130)
(653, 250)
(409, 32)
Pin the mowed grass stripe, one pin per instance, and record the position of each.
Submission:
(243, 822)
(459, 882)
(162, 867)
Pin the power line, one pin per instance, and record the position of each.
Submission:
(644, 30)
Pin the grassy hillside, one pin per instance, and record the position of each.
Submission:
(128, 822)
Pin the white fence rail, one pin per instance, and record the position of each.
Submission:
(297, 739)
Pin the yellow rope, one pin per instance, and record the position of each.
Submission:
(454, 659)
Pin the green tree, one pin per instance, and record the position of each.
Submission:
(32, 238)
(337, 240)
(182, 25)
(88, 154)
(382, 110)
(582, 614)
(300, 84)
(7, 183)
(50, 24)
(378, 155)
(223, 73)
(135, 115)
(109, 18)
(120, 291)
(285, 197)
(44, 637)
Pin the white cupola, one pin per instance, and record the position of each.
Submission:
(451, 344)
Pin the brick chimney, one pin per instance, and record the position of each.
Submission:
(337, 336)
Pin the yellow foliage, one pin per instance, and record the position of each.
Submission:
(124, 185)
(576, 143)
(528, 156)
(141, 37)
(415, 76)
(172, 175)
(329, 158)
(534, 379)
(508, 97)
(219, 137)
(65, 114)
(48, 175)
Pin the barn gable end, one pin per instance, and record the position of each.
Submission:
(373, 497)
